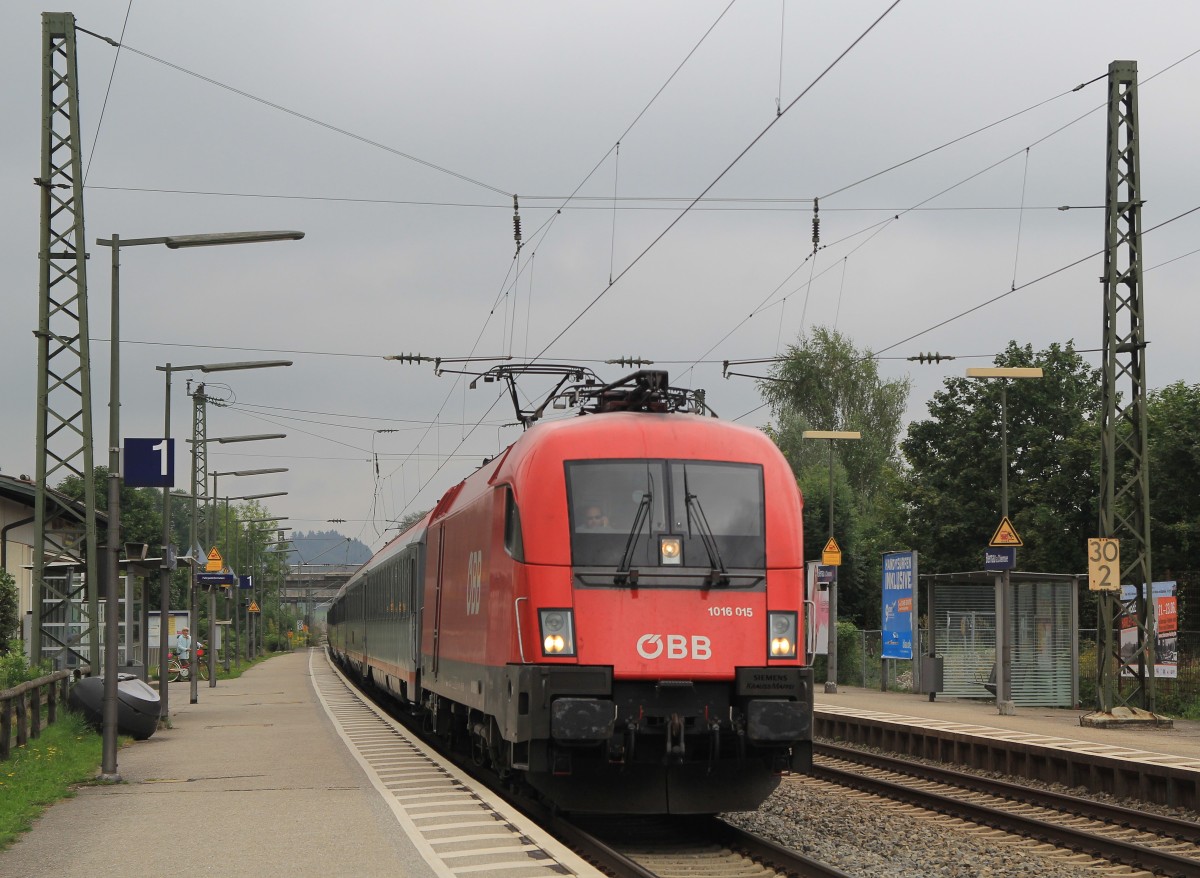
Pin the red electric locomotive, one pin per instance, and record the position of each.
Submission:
(612, 607)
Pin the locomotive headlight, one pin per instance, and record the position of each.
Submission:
(670, 550)
(558, 631)
(781, 629)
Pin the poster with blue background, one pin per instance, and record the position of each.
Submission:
(899, 582)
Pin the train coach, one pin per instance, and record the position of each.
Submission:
(611, 610)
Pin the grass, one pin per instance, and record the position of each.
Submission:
(44, 771)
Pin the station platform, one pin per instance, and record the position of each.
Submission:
(252, 780)
(285, 771)
(1047, 726)
(256, 778)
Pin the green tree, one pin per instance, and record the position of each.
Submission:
(9, 609)
(409, 519)
(826, 383)
(1173, 415)
(953, 489)
(141, 508)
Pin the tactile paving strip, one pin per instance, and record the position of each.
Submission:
(459, 830)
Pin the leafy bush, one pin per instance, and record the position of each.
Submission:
(850, 654)
(14, 669)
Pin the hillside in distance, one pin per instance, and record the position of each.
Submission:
(322, 547)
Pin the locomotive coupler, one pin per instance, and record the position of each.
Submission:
(675, 741)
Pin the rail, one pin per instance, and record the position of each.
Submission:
(24, 702)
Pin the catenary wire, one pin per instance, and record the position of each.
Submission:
(603, 202)
(1007, 293)
(299, 115)
(718, 179)
(107, 91)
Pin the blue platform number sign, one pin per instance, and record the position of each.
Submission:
(149, 463)
(899, 579)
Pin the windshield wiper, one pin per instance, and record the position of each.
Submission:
(717, 575)
(624, 574)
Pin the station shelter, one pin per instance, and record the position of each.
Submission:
(1007, 635)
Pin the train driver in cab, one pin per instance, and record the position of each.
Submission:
(595, 518)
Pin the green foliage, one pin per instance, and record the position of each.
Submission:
(1173, 415)
(15, 668)
(9, 609)
(1053, 460)
(43, 771)
(850, 653)
(827, 384)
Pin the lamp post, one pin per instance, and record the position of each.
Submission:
(108, 767)
(831, 657)
(1004, 703)
(237, 616)
(200, 482)
(168, 562)
(212, 531)
(253, 631)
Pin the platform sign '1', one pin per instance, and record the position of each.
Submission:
(1104, 564)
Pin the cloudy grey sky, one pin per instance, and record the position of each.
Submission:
(394, 135)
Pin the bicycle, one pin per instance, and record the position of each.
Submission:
(180, 669)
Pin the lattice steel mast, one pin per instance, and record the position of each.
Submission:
(64, 537)
(1124, 475)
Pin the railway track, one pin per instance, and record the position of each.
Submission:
(621, 847)
(1157, 844)
(696, 847)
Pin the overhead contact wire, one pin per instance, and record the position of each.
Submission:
(1020, 219)
(107, 91)
(295, 113)
(719, 177)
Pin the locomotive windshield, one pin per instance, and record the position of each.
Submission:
(627, 506)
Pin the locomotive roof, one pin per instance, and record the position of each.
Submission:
(634, 435)
(612, 435)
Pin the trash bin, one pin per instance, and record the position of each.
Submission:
(931, 674)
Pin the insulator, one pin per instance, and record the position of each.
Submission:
(931, 357)
(517, 228)
(816, 230)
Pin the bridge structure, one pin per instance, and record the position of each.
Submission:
(313, 586)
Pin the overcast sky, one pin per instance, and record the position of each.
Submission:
(394, 135)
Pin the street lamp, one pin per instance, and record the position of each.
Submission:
(831, 656)
(212, 529)
(165, 571)
(1004, 703)
(252, 629)
(1004, 372)
(237, 565)
(108, 767)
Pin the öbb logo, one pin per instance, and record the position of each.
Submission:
(652, 646)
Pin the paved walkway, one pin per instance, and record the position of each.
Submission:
(1182, 740)
(251, 781)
